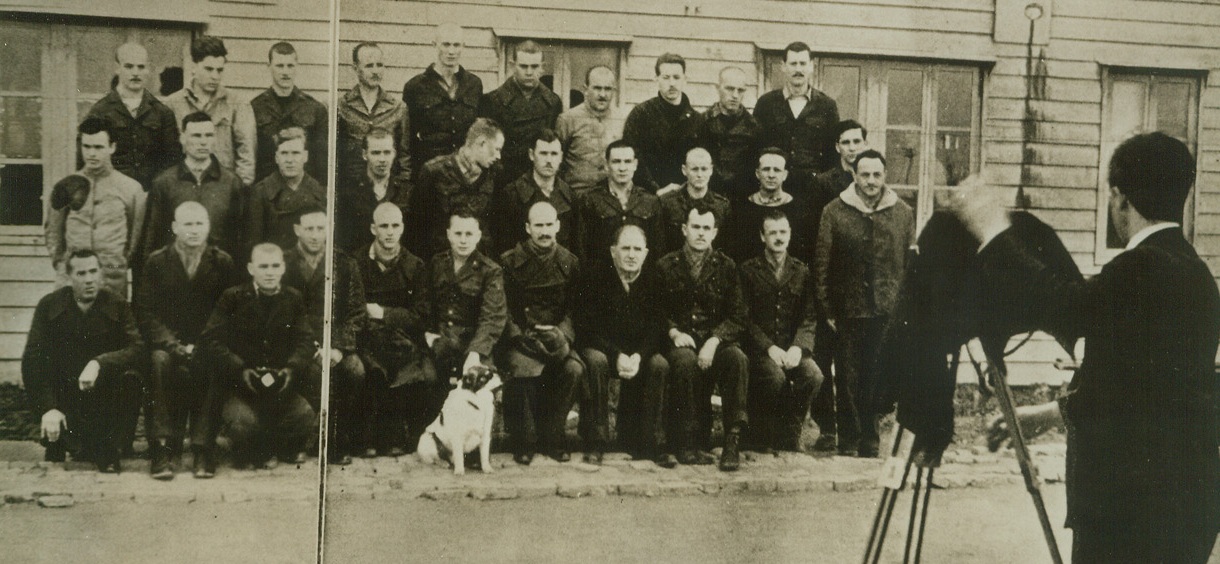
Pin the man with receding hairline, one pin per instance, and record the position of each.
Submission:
(523, 107)
(462, 181)
(443, 100)
(731, 135)
(367, 106)
(284, 105)
(676, 204)
(588, 128)
(797, 118)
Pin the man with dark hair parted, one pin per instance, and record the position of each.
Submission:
(797, 118)
(613, 203)
(277, 200)
(541, 184)
(662, 129)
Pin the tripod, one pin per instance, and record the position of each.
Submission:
(892, 483)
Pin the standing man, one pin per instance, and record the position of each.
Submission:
(743, 242)
(366, 106)
(236, 132)
(401, 376)
(282, 106)
(782, 321)
(98, 209)
(443, 100)
(78, 367)
(177, 292)
(200, 178)
(622, 329)
(586, 129)
(356, 198)
(661, 129)
(706, 316)
(797, 118)
(541, 184)
(1143, 474)
(145, 131)
(462, 181)
(676, 205)
(536, 353)
(259, 343)
(731, 135)
(277, 200)
(523, 108)
(861, 257)
(613, 203)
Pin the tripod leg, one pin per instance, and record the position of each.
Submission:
(872, 534)
(886, 506)
(923, 520)
(906, 551)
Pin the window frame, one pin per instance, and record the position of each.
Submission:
(563, 80)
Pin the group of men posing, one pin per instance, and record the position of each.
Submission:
(749, 253)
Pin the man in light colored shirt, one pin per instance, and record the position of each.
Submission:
(587, 129)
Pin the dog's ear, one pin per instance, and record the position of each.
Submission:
(493, 382)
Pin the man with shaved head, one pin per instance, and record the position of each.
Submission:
(731, 135)
(180, 286)
(146, 135)
(587, 129)
(675, 205)
(536, 353)
(399, 371)
(443, 100)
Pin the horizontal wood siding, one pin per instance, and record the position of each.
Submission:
(249, 30)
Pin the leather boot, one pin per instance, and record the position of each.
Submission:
(730, 458)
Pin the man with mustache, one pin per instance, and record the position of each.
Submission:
(536, 353)
(282, 106)
(731, 135)
(367, 106)
(797, 118)
(676, 205)
(661, 129)
(146, 133)
(443, 100)
(586, 130)
(542, 184)
(523, 107)
(277, 200)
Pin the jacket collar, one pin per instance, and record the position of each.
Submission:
(531, 187)
(209, 174)
(353, 100)
(718, 110)
(103, 305)
(113, 101)
(849, 196)
(221, 95)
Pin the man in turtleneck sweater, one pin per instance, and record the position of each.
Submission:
(662, 129)
(731, 135)
(536, 353)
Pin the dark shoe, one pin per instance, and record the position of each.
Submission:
(271, 463)
(108, 463)
(666, 461)
(523, 458)
(692, 457)
(204, 464)
(593, 457)
(161, 468)
(730, 458)
(397, 451)
(826, 443)
(561, 455)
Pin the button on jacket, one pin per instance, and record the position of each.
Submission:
(109, 223)
(468, 305)
(171, 306)
(585, 135)
(676, 206)
(514, 206)
(236, 132)
(661, 133)
(806, 138)
(439, 121)
(251, 330)
(146, 143)
(273, 114)
(521, 115)
(440, 190)
(355, 121)
(708, 306)
(782, 312)
(861, 255)
(600, 214)
(733, 140)
(274, 208)
(541, 288)
(221, 194)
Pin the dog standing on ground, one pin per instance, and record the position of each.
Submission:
(464, 423)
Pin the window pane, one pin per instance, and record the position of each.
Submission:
(952, 158)
(843, 84)
(95, 58)
(905, 97)
(21, 194)
(954, 94)
(1127, 109)
(21, 127)
(773, 71)
(1173, 109)
(902, 157)
(580, 60)
(165, 50)
(21, 52)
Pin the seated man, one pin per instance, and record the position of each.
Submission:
(259, 342)
(621, 322)
(540, 367)
(782, 318)
(78, 366)
(305, 270)
(402, 377)
(706, 316)
(173, 300)
(468, 311)
(277, 200)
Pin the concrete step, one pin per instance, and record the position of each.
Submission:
(25, 269)
(23, 294)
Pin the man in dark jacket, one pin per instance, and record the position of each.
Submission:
(462, 181)
(401, 376)
(613, 203)
(537, 354)
(356, 197)
(172, 303)
(79, 367)
(523, 107)
(676, 204)
(863, 241)
(144, 129)
(542, 184)
(259, 342)
(797, 118)
(282, 106)
(443, 100)
(706, 316)
(778, 291)
(1143, 473)
(621, 329)
(277, 200)
(661, 129)
(731, 135)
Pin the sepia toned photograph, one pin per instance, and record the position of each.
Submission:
(619, 281)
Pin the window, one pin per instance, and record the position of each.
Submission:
(565, 63)
(54, 74)
(924, 117)
(1140, 102)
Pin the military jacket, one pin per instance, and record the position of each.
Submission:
(468, 306)
(708, 306)
(782, 312)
